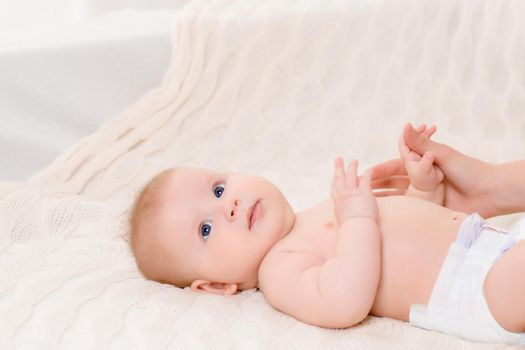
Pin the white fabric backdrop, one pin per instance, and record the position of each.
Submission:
(57, 88)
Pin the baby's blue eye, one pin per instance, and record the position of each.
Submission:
(218, 190)
(205, 230)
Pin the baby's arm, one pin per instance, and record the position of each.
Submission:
(338, 292)
(426, 179)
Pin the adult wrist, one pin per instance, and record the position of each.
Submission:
(508, 187)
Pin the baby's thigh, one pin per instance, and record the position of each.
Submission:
(505, 289)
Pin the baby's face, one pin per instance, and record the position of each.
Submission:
(205, 223)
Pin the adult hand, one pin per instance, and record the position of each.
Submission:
(469, 182)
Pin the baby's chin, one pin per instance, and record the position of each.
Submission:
(290, 217)
(247, 285)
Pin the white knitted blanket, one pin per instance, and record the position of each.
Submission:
(276, 88)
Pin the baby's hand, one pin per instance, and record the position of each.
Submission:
(351, 194)
(423, 174)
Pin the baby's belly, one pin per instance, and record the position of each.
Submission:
(416, 238)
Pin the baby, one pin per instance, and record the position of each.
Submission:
(405, 257)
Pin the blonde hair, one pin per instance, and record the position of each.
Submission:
(144, 239)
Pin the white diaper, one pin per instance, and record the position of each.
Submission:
(457, 304)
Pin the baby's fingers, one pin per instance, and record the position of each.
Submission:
(365, 181)
(351, 174)
(338, 182)
(404, 152)
(429, 132)
(426, 163)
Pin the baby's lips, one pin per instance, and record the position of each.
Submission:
(256, 210)
(249, 214)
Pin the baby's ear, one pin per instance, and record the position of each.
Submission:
(214, 287)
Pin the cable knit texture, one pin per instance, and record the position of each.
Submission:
(276, 88)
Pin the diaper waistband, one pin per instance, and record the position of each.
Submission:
(498, 241)
(470, 230)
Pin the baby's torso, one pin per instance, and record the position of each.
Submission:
(416, 236)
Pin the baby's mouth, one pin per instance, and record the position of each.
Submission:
(254, 213)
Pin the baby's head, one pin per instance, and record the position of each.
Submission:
(191, 227)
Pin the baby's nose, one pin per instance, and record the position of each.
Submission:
(232, 209)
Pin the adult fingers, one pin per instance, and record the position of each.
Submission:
(402, 148)
(396, 181)
(421, 128)
(430, 131)
(389, 192)
(387, 169)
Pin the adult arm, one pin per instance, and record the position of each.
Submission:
(471, 185)
(509, 192)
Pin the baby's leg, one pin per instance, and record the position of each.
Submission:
(505, 289)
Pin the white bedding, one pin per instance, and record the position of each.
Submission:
(268, 87)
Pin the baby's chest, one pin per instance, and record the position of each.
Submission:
(314, 232)
(317, 238)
